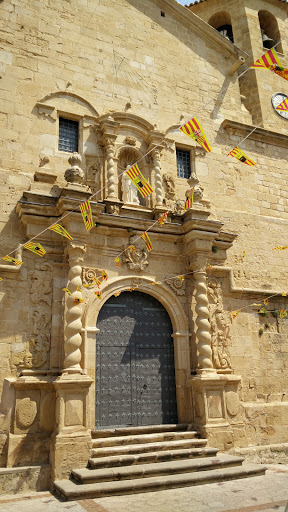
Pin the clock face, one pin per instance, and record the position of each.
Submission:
(276, 99)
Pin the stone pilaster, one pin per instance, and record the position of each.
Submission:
(73, 322)
(203, 333)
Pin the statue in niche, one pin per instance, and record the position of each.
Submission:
(170, 186)
(220, 324)
(129, 191)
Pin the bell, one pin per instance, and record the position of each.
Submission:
(267, 41)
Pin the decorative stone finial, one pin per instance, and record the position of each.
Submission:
(74, 175)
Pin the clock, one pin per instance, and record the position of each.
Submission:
(276, 99)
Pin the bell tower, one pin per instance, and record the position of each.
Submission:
(254, 26)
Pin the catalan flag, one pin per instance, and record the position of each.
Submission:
(36, 248)
(87, 215)
(78, 300)
(267, 61)
(139, 181)
(61, 231)
(147, 241)
(262, 311)
(242, 257)
(189, 200)
(235, 313)
(67, 291)
(194, 130)
(117, 294)
(280, 248)
(283, 313)
(12, 260)
(117, 261)
(280, 71)
(162, 219)
(98, 295)
(283, 107)
(237, 153)
(266, 302)
(104, 276)
(96, 281)
(132, 248)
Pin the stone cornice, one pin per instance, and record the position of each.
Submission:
(260, 134)
(200, 27)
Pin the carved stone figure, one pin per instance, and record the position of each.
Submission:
(220, 326)
(138, 259)
(198, 190)
(129, 191)
(130, 140)
(74, 175)
(170, 186)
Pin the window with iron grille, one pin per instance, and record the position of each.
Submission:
(183, 163)
(68, 135)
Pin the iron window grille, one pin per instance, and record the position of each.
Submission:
(68, 135)
(183, 163)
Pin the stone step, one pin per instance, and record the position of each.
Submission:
(146, 458)
(146, 429)
(109, 451)
(88, 476)
(70, 490)
(143, 438)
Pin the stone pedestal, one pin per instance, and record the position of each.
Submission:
(71, 441)
(211, 419)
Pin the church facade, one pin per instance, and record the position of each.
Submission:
(194, 330)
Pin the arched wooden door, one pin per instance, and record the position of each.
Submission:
(135, 374)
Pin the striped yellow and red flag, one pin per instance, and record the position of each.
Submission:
(98, 295)
(237, 153)
(97, 281)
(268, 60)
(87, 215)
(104, 276)
(139, 181)
(162, 219)
(266, 302)
(117, 294)
(280, 248)
(78, 300)
(235, 313)
(283, 107)
(60, 230)
(283, 72)
(189, 200)
(12, 260)
(35, 247)
(194, 130)
(117, 261)
(283, 313)
(147, 241)
(67, 291)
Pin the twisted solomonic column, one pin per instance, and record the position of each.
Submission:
(203, 333)
(73, 322)
(158, 177)
(109, 146)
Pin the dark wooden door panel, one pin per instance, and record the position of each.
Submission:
(135, 375)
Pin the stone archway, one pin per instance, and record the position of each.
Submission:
(180, 336)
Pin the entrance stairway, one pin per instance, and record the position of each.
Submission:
(153, 458)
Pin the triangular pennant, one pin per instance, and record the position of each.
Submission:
(162, 219)
(98, 295)
(139, 181)
(280, 248)
(85, 209)
(117, 261)
(189, 200)
(267, 61)
(67, 291)
(266, 302)
(194, 130)
(283, 107)
(12, 260)
(235, 313)
(35, 247)
(117, 294)
(283, 313)
(78, 300)
(60, 230)
(237, 153)
(147, 241)
(280, 71)
(104, 276)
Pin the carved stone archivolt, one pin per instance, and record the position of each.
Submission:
(220, 326)
(177, 285)
(138, 259)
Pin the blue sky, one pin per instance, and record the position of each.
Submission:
(185, 2)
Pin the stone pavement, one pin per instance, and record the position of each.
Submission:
(267, 493)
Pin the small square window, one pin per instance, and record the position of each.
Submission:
(68, 135)
(183, 163)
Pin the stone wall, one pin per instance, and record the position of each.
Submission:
(76, 59)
